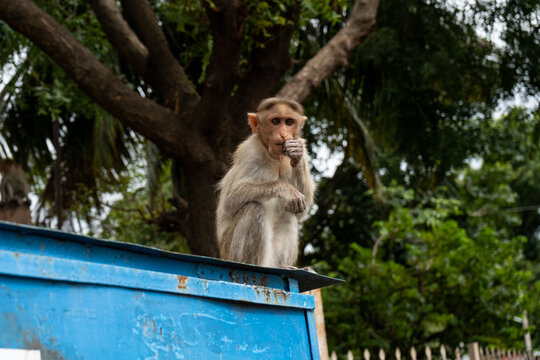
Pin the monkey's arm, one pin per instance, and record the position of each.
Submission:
(301, 173)
(304, 181)
(238, 196)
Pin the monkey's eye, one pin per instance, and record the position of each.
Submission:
(275, 121)
(289, 122)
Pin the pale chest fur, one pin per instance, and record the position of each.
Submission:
(285, 169)
(282, 170)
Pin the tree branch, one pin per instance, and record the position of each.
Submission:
(170, 79)
(120, 34)
(155, 122)
(334, 54)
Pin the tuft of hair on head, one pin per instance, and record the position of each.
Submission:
(269, 103)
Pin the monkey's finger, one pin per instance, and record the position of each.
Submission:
(292, 209)
(297, 153)
(294, 147)
(291, 206)
(301, 206)
(294, 152)
(292, 144)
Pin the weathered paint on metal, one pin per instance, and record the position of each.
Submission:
(84, 272)
(312, 333)
(31, 240)
(293, 285)
(74, 297)
(107, 322)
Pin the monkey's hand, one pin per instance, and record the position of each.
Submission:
(296, 203)
(293, 149)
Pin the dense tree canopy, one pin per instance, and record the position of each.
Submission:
(434, 250)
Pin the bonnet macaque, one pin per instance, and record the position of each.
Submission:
(267, 190)
(13, 186)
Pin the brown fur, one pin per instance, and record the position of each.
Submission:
(267, 190)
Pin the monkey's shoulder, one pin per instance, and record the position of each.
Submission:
(251, 151)
(252, 143)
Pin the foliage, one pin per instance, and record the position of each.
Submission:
(94, 146)
(450, 263)
(132, 217)
(423, 82)
(514, 141)
(440, 284)
(518, 27)
(402, 87)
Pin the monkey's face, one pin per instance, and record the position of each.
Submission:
(275, 126)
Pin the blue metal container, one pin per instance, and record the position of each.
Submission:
(75, 297)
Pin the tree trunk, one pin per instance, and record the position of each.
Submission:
(200, 228)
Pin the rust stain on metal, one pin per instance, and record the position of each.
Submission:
(267, 294)
(234, 277)
(149, 328)
(264, 291)
(182, 280)
(248, 278)
(281, 294)
(272, 295)
(205, 285)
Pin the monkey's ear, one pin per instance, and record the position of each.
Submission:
(253, 120)
(304, 118)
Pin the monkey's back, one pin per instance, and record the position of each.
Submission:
(245, 169)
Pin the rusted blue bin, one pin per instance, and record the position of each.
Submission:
(73, 297)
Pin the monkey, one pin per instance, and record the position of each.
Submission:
(268, 189)
(13, 186)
